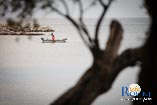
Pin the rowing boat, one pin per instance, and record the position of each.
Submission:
(53, 41)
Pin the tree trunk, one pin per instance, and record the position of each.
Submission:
(99, 77)
(148, 75)
(87, 89)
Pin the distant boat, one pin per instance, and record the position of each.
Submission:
(53, 41)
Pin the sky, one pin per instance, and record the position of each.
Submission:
(118, 9)
(127, 8)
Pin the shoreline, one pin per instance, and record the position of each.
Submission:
(20, 33)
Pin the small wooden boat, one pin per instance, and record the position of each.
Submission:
(53, 41)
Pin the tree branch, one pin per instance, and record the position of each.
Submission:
(65, 6)
(115, 37)
(74, 23)
(58, 11)
(102, 3)
(79, 31)
(91, 4)
(129, 57)
(83, 26)
(98, 81)
(105, 8)
(99, 77)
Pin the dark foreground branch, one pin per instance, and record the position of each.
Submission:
(97, 81)
(130, 57)
(99, 77)
(75, 24)
(100, 20)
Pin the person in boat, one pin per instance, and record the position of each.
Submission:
(53, 37)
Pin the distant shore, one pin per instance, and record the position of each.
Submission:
(21, 33)
(23, 30)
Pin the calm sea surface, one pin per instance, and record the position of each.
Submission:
(33, 73)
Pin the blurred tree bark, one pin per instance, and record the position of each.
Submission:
(99, 77)
(147, 78)
(106, 66)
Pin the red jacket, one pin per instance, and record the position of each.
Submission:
(53, 37)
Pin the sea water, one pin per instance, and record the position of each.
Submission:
(35, 73)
